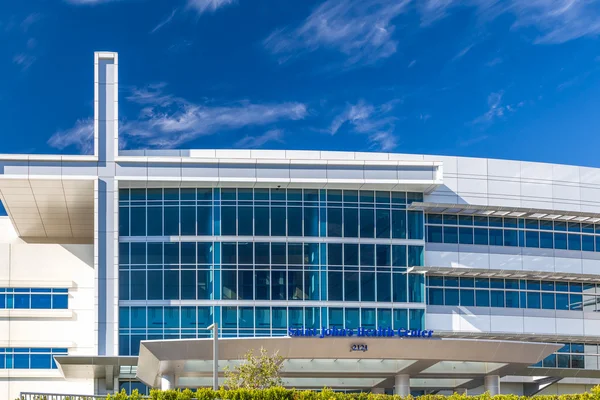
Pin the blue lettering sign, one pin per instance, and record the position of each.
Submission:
(380, 332)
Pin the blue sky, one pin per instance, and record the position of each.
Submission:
(516, 79)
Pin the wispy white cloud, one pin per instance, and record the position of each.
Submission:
(433, 10)
(556, 21)
(202, 6)
(463, 52)
(356, 114)
(167, 121)
(199, 6)
(411, 64)
(81, 136)
(30, 20)
(89, 2)
(180, 46)
(471, 141)
(373, 121)
(253, 142)
(383, 140)
(574, 81)
(359, 29)
(24, 60)
(165, 21)
(493, 62)
(497, 109)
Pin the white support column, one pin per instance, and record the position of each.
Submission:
(167, 382)
(402, 385)
(492, 384)
(106, 116)
(377, 390)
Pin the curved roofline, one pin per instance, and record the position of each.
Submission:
(317, 155)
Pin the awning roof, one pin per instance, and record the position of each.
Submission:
(509, 274)
(499, 211)
(331, 358)
(56, 209)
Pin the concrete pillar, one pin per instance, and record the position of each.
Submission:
(167, 382)
(402, 385)
(377, 390)
(106, 203)
(492, 384)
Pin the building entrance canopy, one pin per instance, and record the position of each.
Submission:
(314, 362)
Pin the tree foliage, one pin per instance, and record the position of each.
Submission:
(255, 372)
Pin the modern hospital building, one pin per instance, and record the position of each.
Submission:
(396, 273)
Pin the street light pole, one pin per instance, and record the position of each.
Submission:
(215, 328)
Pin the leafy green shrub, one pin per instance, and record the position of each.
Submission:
(279, 393)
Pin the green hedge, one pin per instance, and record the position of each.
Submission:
(326, 394)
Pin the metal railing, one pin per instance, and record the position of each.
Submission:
(56, 396)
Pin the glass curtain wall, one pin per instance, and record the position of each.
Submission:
(347, 252)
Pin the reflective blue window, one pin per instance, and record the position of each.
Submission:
(278, 221)
(351, 284)
(548, 301)
(400, 318)
(510, 238)
(399, 224)
(482, 298)
(450, 234)
(228, 220)
(452, 297)
(367, 223)
(34, 298)
(467, 297)
(335, 282)
(510, 293)
(451, 228)
(416, 319)
(587, 243)
(436, 296)
(383, 224)
(496, 298)
(532, 239)
(384, 286)
(368, 318)
(367, 286)
(182, 269)
(562, 301)
(434, 234)
(350, 222)
(245, 221)
(574, 242)
(480, 236)
(336, 317)
(416, 285)
(465, 235)
(560, 241)
(512, 299)
(29, 358)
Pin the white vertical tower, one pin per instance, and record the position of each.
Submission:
(106, 145)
